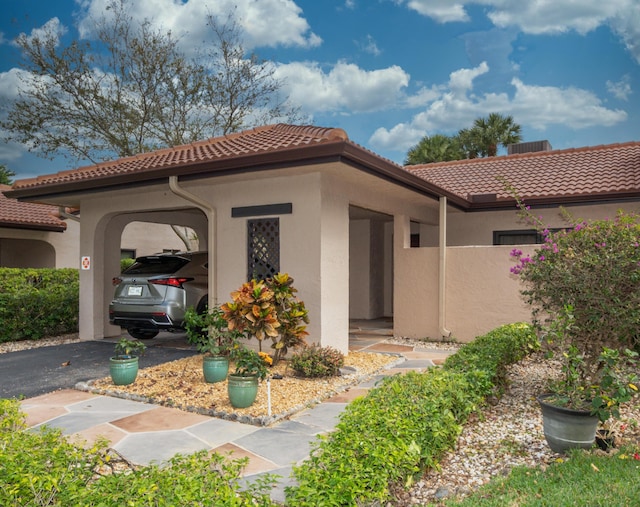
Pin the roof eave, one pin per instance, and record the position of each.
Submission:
(333, 150)
(33, 227)
(555, 201)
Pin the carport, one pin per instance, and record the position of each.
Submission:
(330, 213)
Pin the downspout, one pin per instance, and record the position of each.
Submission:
(210, 212)
(442, 278)
(62, 211)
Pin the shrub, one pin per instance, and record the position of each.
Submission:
(404, 425)
(583, 286)
(487, 356)
(35, 303)
(269, 308)
(316, 361)
(125, 263)
(43, 468)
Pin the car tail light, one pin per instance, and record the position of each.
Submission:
(172, 281)
(116, 280)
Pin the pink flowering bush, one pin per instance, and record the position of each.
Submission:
(583, 284)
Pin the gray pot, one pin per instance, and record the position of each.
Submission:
(565, 428)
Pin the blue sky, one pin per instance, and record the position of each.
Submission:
(391, 71)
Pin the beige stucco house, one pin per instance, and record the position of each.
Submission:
(362, 236)
(42, 236)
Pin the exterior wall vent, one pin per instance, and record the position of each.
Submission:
(529, 147)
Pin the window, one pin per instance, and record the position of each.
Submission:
(523, 237)
(527, 237)
(263, 244)
(127, 253)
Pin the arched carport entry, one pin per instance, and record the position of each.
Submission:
(26, 253)
(116, 224)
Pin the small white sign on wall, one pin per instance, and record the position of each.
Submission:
(85, 263)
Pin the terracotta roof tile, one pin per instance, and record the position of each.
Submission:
(602, 171)
(27, 215)
(267, 139)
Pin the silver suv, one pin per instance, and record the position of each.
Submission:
(153, 294)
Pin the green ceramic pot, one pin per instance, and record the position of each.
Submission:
(242, 390)
(123, 371)
(215, 368)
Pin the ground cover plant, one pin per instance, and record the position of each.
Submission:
(42, 468)
(585, 478)
(35, 303)
(404, 425)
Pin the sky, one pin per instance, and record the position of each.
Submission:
(389, 72)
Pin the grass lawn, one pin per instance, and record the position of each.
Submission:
(585, 479)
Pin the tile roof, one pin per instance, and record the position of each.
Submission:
(257, 141)
(26, 215)
(573, 175)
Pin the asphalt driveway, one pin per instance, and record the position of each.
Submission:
(42, 370)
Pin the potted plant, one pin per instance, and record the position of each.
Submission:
(124, 365)
(583, 284)
(269, 308)
(209, 332)
(250, 367)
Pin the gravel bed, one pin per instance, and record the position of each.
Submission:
(180, 384)
(506, 434)
(32, 344)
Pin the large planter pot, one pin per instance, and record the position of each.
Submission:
(565, 428)
(123, 371)
(215, 368)
(242, 390)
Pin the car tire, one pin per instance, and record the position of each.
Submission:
(142, 334)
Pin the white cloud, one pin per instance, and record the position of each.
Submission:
(443, 11)
(369, 46)
(544, 16)
(268, 23)
(627, 25)
(344, 88)
(10, 81)
(462, 80)
(53, 26)
(536, 106)
(622, 89)
(542, 106)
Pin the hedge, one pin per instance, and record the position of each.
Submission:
(405, 425)
(35, 303)
(41, 467)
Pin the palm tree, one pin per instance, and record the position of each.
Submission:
(488, 133)
(437, 148)
(6, 175)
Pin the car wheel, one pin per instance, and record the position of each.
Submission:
(142, 334)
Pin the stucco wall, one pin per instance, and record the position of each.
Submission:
(147, 238)
(477, 228)
(481, 294)
(40, 249)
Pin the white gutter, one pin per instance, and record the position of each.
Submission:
(442, 278)
(210, 211)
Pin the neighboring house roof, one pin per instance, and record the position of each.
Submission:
(26, 215)
(258, 149)
(607, 172)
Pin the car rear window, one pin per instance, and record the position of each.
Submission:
(156, 266)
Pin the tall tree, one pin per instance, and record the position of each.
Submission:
(132, 89)
(489, 133)
(436, 148)
(6, 176)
